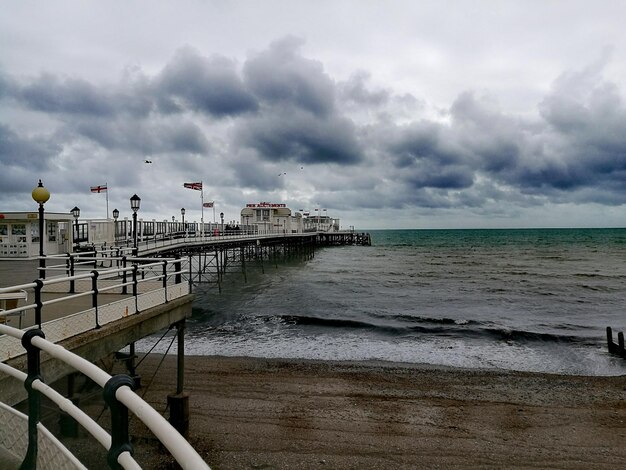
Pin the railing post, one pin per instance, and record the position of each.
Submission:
(179, 402)
(125, 287)
(94, 295)
(135, 268)
(178, 267)
(38, 302)
(72, 282)
(34, 398)
(120, 441)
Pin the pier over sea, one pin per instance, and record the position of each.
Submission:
(95, 303)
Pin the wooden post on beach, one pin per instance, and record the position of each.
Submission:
(615, 348)
(179, 402)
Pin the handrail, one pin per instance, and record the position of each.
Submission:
(66, 405)
(162, 271)
(180, 449)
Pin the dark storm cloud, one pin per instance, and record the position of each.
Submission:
(298, 119)
(281, 75)
(355, 90)
(424, 157)
(26, 152)
(578, 142)
(211, 86)
(253, 173)
(584, 143)
(301, 137)
(482, 130)
(144, 137)
(71, 96)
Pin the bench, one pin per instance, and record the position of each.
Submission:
(8, 301)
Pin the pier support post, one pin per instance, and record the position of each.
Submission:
(68, 425)
(179, 402)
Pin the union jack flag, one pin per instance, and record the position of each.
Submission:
(99, 189)
(196, 186)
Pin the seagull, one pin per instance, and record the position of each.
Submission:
(148, 161)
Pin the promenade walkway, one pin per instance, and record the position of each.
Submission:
(18, 272)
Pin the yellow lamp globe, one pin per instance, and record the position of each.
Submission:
(41, 194)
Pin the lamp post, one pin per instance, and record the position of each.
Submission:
(182, 214)
(135, 201)
(116, 214)
(222, 217)
(41, 196)
(76, 213)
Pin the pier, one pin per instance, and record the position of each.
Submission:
(101, 299)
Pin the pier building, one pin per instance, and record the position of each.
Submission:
(20, 237)
(268, 217)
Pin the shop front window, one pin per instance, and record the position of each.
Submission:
(18, 231)
(52, 231)
(34, 233)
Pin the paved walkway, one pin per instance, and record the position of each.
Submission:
(18, 272)
(15, 272)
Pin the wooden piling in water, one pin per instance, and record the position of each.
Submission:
(617, 349)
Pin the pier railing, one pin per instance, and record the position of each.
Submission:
(47, 452)
(136, 284)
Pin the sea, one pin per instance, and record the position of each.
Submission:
(520, 299)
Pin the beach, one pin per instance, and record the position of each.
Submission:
(273, 413)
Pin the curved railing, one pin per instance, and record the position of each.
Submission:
(118, 394)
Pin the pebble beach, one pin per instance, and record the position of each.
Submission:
(278, 414)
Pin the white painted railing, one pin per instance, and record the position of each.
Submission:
(176, 444)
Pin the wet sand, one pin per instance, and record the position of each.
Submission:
(265, 414)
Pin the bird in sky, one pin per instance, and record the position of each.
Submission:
(148, 161)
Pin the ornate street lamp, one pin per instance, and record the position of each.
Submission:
(41, 196)
(116, 214)
(222, 217)
(182, 213)
(76, 213)
(135, 202)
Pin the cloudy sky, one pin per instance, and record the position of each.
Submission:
(388, 114)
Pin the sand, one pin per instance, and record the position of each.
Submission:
(266, 414)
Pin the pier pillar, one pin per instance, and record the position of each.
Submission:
(179, 402)
(68, 425)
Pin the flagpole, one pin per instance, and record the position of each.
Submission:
(202, 204)
(107, 191)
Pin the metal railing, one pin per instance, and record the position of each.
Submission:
(139, 283)
(118, 393)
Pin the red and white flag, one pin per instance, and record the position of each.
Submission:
(196, 186)
(208, 204)
(99, 189)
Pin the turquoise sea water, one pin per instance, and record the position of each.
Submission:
(537, 300)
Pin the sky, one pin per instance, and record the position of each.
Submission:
(395, 114)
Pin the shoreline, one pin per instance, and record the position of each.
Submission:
(248, 412)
